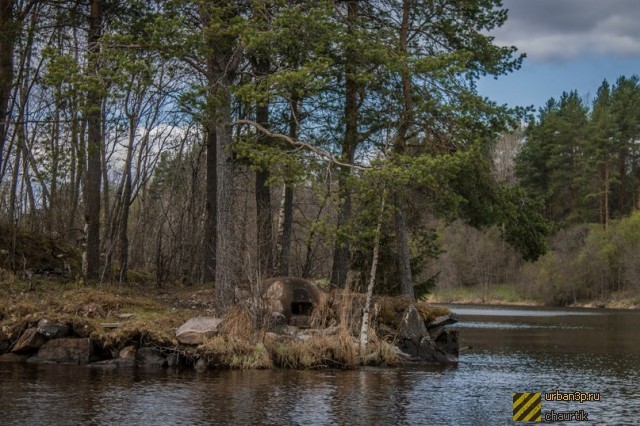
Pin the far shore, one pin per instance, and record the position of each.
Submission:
(503, 295)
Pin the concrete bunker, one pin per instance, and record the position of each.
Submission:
(294, 298)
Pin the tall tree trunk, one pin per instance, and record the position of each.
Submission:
(7, 40)
(91, 261)
(211, 204)
(402, 246)
(222, 64)
(126, 201)
(341, 252)
(402, 238)
(264, 215)
(226, 245)
(285, 229)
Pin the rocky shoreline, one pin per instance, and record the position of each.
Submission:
(56, 343)
(99, 332)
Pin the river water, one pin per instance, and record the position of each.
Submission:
(512, 350)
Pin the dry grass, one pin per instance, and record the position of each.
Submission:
(235, 353)
(318, 351)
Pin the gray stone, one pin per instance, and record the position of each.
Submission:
(412, 326)
(67, 351)
(195, 330)
(443, 320)
(52, 330)
(128, 352)
(435, 332)
(149, 357)
(30, 341)
(414, 340)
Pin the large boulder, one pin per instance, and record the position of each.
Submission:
(414, 340)
(52, 330)
(443, 320)
(66, 351)
(195, 330)
(30, 341)
(294, 298)
(413, 337)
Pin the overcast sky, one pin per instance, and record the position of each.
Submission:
(570, 45)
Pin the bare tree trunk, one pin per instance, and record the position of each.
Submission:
(7, 40)
(126, 201)
(341, 252)
(364, 330)
(91, 261)
(286, 230)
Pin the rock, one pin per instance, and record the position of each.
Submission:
(67, 351)
(412, 327)
(414, 340)
(10, 357)
(148, 357)
(30, 341)
(52, 330)
(443, 320)
(4, 346)
(128, 352)
(81, 329)
(114, 363)
(435, 332)
(126, 316)
(194, 331)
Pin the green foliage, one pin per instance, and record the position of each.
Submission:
(523, 225)
(581, 161)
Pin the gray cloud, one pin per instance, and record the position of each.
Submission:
(556, 30)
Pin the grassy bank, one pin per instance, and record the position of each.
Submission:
(115, 317)
(508, 295)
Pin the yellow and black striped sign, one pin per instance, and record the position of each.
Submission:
(527, 407)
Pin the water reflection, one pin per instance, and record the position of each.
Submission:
(536, 353)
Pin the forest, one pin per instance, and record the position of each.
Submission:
(185, 141)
